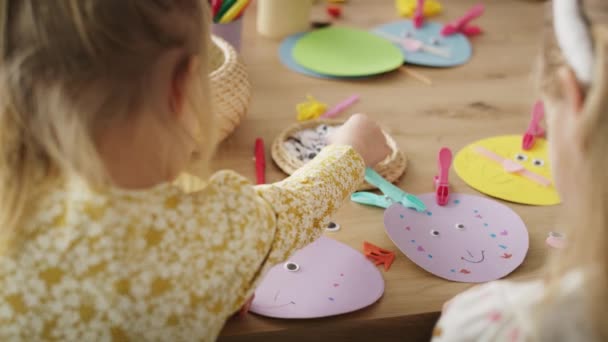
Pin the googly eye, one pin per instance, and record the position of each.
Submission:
(292, 267)
(460, 226)
(332, 227)
(435, 233)
(538, 162)
(521, 157)
(556, 235)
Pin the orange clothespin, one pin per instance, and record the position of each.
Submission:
(378, 255)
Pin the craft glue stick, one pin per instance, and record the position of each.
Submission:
(281, 18)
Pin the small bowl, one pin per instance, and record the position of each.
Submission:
(230, 87)
(392, 168)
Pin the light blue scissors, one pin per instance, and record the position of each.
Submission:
(392, 194)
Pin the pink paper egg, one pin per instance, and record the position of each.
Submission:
(325, 278)
(471, 239)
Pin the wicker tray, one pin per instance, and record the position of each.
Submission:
(392, 168)
(230, 87)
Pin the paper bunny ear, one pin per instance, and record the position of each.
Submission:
(574, 38)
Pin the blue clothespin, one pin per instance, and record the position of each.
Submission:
(392, 194)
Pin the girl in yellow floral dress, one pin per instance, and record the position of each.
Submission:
(102, 104)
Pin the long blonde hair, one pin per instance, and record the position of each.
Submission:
(587, 218)
(68, 65)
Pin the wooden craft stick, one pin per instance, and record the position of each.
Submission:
(420, 77)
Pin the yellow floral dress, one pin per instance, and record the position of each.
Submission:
(160, 264)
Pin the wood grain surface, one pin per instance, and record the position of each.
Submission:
(491, 95)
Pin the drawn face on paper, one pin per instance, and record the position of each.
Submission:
(457, 45)
(325, 278)
(472, 239)
(491, 178)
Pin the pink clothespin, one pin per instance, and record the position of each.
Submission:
(442, 184)
(534, 129)
(462, 25)
(419, 14)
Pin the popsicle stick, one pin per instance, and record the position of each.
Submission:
(420, 77)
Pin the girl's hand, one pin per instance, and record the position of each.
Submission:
(365, 136)
(245, 309)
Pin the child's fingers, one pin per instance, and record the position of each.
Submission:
(246, 307)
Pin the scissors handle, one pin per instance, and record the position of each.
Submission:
(387, 188)
(413, 202)
(367, 198)
(393, 192)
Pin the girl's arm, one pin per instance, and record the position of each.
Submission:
(234, 231)
(304, 202)
(268, 223)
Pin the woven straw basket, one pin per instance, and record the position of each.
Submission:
(230, 87)
(392, 168)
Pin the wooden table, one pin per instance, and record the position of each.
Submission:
(490, 95)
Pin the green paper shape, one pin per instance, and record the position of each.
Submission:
(346, 52)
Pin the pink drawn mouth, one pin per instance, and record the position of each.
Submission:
(276, 307)
(276, 296)
(483, 257)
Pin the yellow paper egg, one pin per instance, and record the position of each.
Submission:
(490, 177)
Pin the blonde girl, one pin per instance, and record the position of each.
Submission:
(103, 103)
(571, 304)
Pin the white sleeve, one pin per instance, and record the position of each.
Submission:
(497, 311)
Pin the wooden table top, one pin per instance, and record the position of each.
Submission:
(491, 95)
